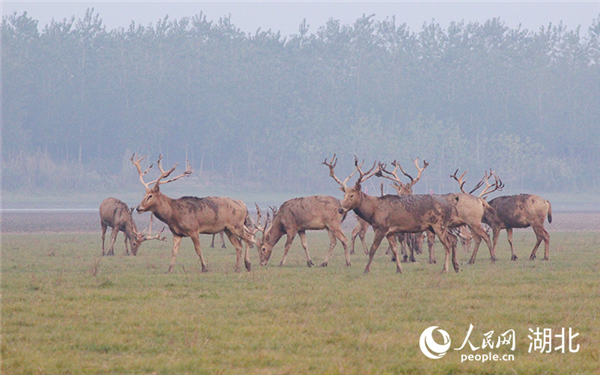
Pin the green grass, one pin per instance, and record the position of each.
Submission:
(66, 310)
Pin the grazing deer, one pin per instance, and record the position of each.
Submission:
(518, 211)
(114, 213)
(392, 214)
(298, 215)
(191, 216)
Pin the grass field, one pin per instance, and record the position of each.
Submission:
(66, 310)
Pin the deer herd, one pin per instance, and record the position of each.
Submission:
(403, 218)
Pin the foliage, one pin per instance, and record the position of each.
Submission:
(266, 108)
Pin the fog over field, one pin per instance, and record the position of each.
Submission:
(257, 95)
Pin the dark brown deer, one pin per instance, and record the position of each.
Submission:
(392, 214)
(191, 216)
(298, 215)
(518, 211)
(116, 214)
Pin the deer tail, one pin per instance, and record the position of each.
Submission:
(487, 206)
(549, 211)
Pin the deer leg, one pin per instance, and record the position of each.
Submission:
(288, 244)
(364, 244)
(509, 237)
(103, 235)
(113, 238)
(212, 244)
(235, 241)
(354, 235)
(430, 242)
(126, 246)
(393, 245)
(176, 243)
(304, 243)
(196, 240)
(344, 240)
(223, 246)
(442, 235)
(478, 233)
(379, 235)
(541, 234)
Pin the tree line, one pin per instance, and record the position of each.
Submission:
(263, 110)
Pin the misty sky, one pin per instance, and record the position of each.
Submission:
(287, 16)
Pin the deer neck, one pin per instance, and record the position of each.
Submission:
(367, 207)
(274, 233)
(163, 209)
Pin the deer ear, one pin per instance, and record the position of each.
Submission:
(156, 189)
(342, 189)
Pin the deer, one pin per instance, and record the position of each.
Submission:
(190, 216)
(360, 230)
(518, 211)
(116, 214)
(414, 241)
(298, 215)
(390, 215)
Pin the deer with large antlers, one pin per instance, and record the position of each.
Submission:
(191, 216)
(114, 213)
(298, 215)
(516, 211)
(414, 241)
(392, 214)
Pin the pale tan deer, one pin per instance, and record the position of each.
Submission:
(191, 216)
(392, 214)
(298, 215)
(518, 211)
(116, 214)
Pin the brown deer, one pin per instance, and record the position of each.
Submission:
(414, 241)
(191, 216)
(392, 214)
(518, 211)
(298, 215)
(116, 214)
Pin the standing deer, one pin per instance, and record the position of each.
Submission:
(392, 214)
(191, 216)
(298, 215)
(518, 211)
(414, 241)
(114, 213)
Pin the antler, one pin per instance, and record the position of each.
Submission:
(332, 163)
(163, 174)
(413, 181)
(257, 225)
(166, 174)
(139, 168)
(490, 188)
(461, 181)
(370, 173)
(148, 236)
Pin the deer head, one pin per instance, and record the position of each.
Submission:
(153, 194)
(401, 188)
(352, 195)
